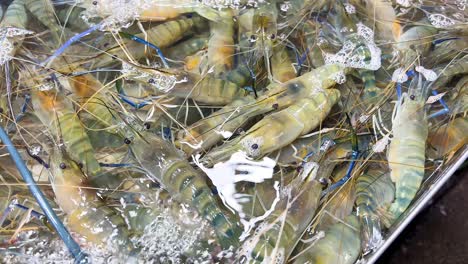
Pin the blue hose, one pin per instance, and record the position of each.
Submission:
(73, 247)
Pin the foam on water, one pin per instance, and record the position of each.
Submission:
(461, 4)
(349, 8)
(116, 14)
(162, 82)
(219, 4)
(37, 249)
(440, 21)
(339, 77)
(348, 56)
(171, 238)
(405, 3)
(6, 42)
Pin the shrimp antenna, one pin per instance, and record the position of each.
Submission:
(151, 45)
(38, 159)
(354, 155)
(69, 42)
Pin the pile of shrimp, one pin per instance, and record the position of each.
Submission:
(223, 131)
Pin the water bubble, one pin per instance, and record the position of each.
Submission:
(35, 149)
(285, 6)
(461, 4)
(349, 8)
(440, 21)
(405, 3)
(6, 42)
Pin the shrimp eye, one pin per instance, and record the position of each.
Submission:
(80, 165)
(151, 80)
(63, 166)
(253, 37)
(412, 97)
(254, 146)
(275, 106)
(272, 36)
(1, 110)
(127, 141)
(94, 2)
(147, 125)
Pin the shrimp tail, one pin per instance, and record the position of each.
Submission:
(370, 233)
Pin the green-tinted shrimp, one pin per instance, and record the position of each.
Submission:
(162, 162)
(281, 65)
(56, 112)
(94, 105)
(459, 101)
(160, 10)
(162, 35)
(310, 31)
(44, 11)
(87, 214)
(278, 96)
(374, 191)
(447, 139)
(13, 30)
(221, 44)
(15, 15)
(265, 30)
(240, 75)
(72, 17)
(186, 48)
(446, 51)
(182, 84)
(340, 245)
(406, 154)
(337, 205)
(273, 240)
(445, 74)
(414, 42)
(280, 128)
(206, 133)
